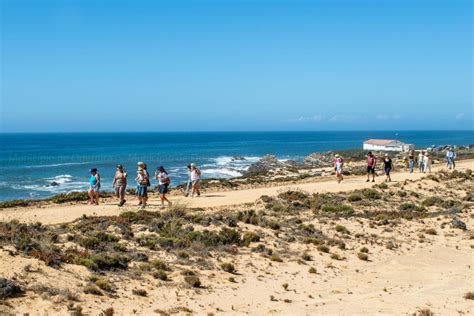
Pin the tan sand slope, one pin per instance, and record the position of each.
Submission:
(55, 214)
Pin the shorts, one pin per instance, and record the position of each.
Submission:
(163, 188)
(370, 169)
(387, 171)
(95, 188)
(120, 190)
(195, 182)
(142, 191)
(338, 169)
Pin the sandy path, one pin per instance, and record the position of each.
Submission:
(55, 214)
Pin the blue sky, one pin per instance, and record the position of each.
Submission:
(235, 65)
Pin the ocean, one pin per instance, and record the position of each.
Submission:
(29, 163)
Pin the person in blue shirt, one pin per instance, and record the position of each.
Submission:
(94, 186)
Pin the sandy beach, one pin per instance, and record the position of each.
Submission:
(419, 264)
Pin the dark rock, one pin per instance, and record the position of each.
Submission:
(9, 288)
(319, 159)
(238, 158)
(456, 223)
(264, 165)
(54, 184)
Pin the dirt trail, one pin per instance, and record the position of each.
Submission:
(55, 214)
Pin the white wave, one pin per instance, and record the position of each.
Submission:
(61, 179)
(56, 165)
(221, 173)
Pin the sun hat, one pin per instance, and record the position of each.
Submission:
(336, 155)
(140, 163)
(160, 168)
(193, 165)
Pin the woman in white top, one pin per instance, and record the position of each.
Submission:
(195, 178)
(163, 182)
(427, 163)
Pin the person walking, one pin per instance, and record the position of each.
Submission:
(338, 163)
(421, 159)
(406, 163)
(163, 183)
(188, 183)
(120, 184)
(371, 162)
(411, 160)
(195, 179)
(142, 186)
(450, 157)
(387, 166)
(94, 186)
(143, 166)
(426, 163)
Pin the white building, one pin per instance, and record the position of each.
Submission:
(387, 145)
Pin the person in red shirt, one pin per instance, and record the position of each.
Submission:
(371, 161)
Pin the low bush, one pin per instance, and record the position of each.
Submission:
(192, 280)
(228, 267)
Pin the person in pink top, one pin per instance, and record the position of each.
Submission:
(371, 161)
(338, 162)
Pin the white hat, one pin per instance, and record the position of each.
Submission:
(336, 155)
(193, 165)
(140, 163)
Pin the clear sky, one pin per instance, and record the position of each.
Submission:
(236, 65)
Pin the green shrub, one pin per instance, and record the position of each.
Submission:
(159, 265)
(14, 203)
(354, 197)
(364, 250)
(331, 208)
(161, 275)
(140, 292)
(342, 229)
(104, 284)
(312, 270)
(192, 280)
(94, 290)
(228, 267)
(432, 200)
(276, 258)
(371, 194)
(250, 237)
(323, 248)
(363, 256)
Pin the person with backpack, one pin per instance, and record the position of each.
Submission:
(388, 166)
(143, 182)
(120, 184)
(371, 162)
(163, 183)
(195, 178)
(338, 163)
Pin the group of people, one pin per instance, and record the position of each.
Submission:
(424, 164)
(143, 183)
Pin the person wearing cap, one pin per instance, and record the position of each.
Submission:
(371, 162)
(187, 190)
(120, 184)
(142, 187)
(388, 166)
(94, 186)
(195, 178)
(163, 183)
(338, 162)
(426, 163)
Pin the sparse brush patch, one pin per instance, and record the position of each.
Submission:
(354, 197)
(306, 256)
(364, 250)
(140, 292)
(228, 267)
(183, 254)
(187, 272)
(159, 265)
(363, 256)
(431, 201)
(323, 248)
(469, 296)
(371, 194)
(342, 229)
(312, 270)
(94, 290)
(293, 195)
(14, 203)
(331, 208)
(232, 279)
(276, 258)
(161, 275)
(192, 280)
(250, 237)
(424, 312)
(408, 206)
(336, 256)
(430, 231)
(285, 286)
(104, 284)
